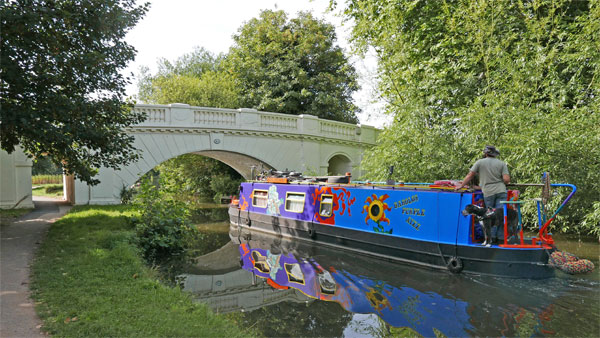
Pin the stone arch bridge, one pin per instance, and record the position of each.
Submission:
(240, 138)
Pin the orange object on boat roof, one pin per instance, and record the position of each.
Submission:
(283, 180)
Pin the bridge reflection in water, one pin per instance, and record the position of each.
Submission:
(219, 281)
(258, 271)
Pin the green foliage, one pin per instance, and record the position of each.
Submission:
(195, 79)
(88, 280)
(224, 185)
(194, 64)
(293, 66)
(43, 166)
(61, 91)
(163, 231)
(193, 175)
(522, 75)
(212, 89)
(592, 220)
(126, 194)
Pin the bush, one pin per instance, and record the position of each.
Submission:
(592, 220)
(126, 195)
(163, 230)
(224, 186)
(51, 189)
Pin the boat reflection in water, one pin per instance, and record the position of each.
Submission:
(431, 303)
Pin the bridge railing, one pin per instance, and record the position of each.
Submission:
(179, 115)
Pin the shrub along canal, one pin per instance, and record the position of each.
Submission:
(281, 287)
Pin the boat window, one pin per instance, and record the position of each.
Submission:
(294, 202)
(326, 282)
(326, 205)
(260, 262)
(294, 273)
(259, 198)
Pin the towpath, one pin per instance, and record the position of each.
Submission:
(18, 241)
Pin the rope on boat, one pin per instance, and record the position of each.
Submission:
(546, 195)
(570, 263)
(454, 264)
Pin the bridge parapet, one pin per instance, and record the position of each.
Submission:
(179, 115)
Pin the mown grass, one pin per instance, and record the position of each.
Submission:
(89, 280)
(50, 190)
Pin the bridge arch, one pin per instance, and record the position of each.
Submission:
(241, 138)
(239, 162)
(339, 164)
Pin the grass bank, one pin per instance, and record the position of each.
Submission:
(50, 190)
(89, 280)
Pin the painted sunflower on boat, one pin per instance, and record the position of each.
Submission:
(375, 208)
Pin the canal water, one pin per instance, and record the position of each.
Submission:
(300, 289)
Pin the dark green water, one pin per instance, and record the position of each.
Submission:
(374, 298)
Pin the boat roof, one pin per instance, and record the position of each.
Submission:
(368, 185)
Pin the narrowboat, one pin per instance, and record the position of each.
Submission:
(418, 223)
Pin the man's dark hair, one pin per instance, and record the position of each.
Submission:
(491, 151)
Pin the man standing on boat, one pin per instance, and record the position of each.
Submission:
(493, 177)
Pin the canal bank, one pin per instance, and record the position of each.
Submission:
(88, 279)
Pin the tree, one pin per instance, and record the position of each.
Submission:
(293, 67)
(44, 166)
(522, 75)
(60, 88)
(195, 78)
(211, 89)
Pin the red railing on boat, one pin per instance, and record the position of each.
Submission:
(544, 239)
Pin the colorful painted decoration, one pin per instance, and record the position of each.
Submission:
(273, 201)
(342, 201)
(375, 208)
